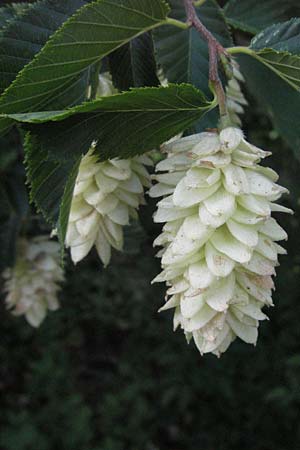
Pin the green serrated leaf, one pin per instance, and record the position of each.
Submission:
(65, 205)
(123, 125)
(281, 102)
(25, 35)
(28, 32)
(253, 15)
(94, 31)
(278, 47)
(284, 64)
(52, 184)
(284, 37)
(9, 12)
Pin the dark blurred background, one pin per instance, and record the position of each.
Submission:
(106, 372)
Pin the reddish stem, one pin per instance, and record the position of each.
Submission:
(215, 49)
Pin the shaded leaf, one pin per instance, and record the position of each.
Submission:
(278, 47)
(95, 30)
(13, 199)
(284, 37)
(253, 15)
(281, 101)
(28, 32)
(123, 125)
(9, 12)
(133, 65)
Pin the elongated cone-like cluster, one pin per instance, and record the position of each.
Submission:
(106, 195)
(235, 100)
(219, 245)
(33, 283)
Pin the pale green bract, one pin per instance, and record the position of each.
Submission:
(106, 195)
(33, 283)
(219, 248)
(235, 99)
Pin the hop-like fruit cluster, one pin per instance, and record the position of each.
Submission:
(106, 195)
(235, 100)
(219, 247)
(33, 283)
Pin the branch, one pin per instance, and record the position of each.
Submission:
(215, 49)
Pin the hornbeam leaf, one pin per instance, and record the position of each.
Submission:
(24, 36)
(284, 37)
(284, 64)
(281, 102)
(94, 31)
(134, 65)
(9, 12)
(253, 15)
(123, 124)
(278, 47)
(28, 31)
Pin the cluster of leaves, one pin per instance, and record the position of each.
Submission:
(51, 53)
(105, 373)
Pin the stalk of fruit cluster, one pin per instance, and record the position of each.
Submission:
(219, 248)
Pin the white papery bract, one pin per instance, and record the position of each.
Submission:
(106, 195)
(33, 283)
(219, 242)
(235, 100)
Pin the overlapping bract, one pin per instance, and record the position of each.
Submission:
(33, 283)
(235, 99)
(106, 195)
(219, 245)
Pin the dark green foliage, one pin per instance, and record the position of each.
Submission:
(283, 37)
(94, 31)
(279, 100)
(253, 15)
(134, 65)
(278, 47)
(13, 196)
(24, 36)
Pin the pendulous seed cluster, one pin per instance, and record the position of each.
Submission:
(219, 241)
(33, 283)
(106, 195)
